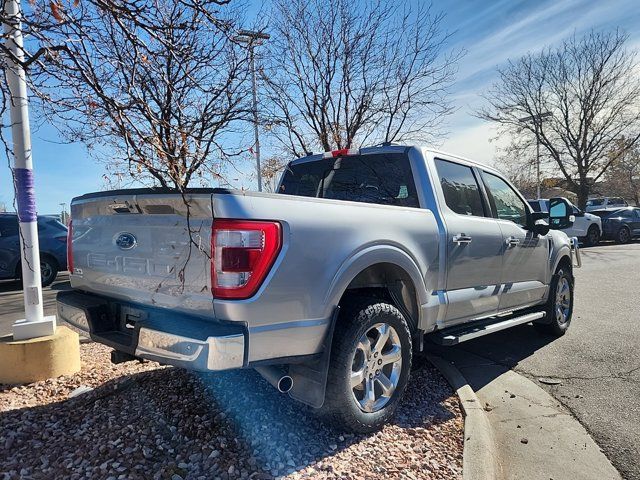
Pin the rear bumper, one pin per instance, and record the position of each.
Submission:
(156, 334)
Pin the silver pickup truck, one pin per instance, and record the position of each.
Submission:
(327, 287)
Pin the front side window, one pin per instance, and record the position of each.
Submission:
(460, 188)
(505, 202)
(595, 202)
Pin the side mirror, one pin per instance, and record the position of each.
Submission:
(539, 223)
(560, 213)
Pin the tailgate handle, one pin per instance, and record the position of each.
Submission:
(124, 207)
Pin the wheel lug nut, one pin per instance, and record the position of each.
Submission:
(379, 362)
(370, 376)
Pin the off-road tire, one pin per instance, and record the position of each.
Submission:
(552, 325)
(340, 408)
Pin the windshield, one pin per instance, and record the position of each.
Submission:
(383, 178)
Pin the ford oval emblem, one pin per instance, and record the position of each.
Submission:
(126, 241)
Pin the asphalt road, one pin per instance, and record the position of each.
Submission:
(597, 361)
(11, 300)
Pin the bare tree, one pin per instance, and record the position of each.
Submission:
(591, 87)
(623, 176)
(152, 85)
(272, 169)
(339, 74)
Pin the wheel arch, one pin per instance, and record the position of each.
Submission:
(388, 272)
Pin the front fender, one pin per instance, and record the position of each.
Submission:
(561, 247)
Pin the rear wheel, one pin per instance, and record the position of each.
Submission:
(48, 270)
(623, 235)
(593, 236)
(370, 364)
(559, 305)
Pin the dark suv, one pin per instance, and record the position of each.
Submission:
(52, 237)
(621, 225)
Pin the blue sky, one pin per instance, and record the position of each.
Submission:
(491, 32)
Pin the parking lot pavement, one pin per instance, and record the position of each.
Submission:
(11, 302)
(596, 363)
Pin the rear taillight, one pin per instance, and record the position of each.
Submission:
(242, 253)
(70, 248)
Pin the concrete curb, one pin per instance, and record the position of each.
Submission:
(480, 456)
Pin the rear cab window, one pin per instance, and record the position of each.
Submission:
(381, 178)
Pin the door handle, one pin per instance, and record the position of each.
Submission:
(513, 241)
(461, 238)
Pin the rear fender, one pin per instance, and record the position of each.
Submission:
(368, 257)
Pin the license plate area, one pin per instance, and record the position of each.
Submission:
(129, 318)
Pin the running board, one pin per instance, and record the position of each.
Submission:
(462, 333)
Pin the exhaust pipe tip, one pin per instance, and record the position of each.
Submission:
(276, 377)
(285, 384)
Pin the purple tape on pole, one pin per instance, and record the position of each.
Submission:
(23, 178)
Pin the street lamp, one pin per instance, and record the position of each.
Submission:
(537, 124)
(252, 38)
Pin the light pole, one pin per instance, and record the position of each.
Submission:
(252, 39)
(64, 212)
(537, 124)
(35, 324)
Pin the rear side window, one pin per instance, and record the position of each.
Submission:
(383, 178)
(8, 226)
(460, 188)
(504, 200)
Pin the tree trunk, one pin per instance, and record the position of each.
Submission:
(583, 193)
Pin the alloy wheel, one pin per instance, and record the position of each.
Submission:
(376, 367)
(563, 301)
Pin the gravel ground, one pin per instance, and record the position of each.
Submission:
(144, 421)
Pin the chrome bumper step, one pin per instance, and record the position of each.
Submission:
(462, 333)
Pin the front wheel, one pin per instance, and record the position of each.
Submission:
(369, 369)
(559, 305)
(593, 236)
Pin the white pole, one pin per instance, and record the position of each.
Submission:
(35, 324)
(255, 115)
(537, 165)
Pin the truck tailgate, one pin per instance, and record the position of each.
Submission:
(149, 248)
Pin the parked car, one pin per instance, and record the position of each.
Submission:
(621, 224)
(327, 287)
(604, 203)
(52, 237)
(586, 226)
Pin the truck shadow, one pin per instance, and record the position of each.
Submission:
(169, 421)
(495, 353)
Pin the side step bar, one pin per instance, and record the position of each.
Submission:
(462, 333)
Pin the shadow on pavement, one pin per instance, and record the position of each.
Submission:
(501, 351)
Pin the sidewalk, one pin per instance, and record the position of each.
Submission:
(536, 437)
